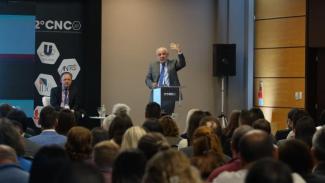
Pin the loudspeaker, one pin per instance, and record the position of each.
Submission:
(224, 59)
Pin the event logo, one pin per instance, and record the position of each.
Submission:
(48, 53)
(36, 114)
(69, 65)
(44, 83)
(58, 25)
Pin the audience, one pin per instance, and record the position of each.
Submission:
(66, 121)
(229, 130)
(98, 135)
(151, 143)
(119, 109)
(9, 170)
(283, 133)
(118, 127)
(152, 125)
(305, 129)
(318, 151)
(170, 130)
(262, 124)
(153, 110)
(107, 121)
(131, 137)
(79, 144)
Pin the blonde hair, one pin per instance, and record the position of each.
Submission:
(170, 166)
(107, 121)
(131, 137)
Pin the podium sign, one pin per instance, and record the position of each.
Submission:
(166, 97)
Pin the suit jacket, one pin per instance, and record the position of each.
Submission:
(48, 138)
(172, 65)
(56, 98)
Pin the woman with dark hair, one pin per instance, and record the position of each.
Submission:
(118, 127)
(228, 132)
(66, 121)
(151, 143)
(170, 130)
(129, 167)
(49, 164)
(79, 143)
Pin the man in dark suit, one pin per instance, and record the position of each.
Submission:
(164, 72)
(65, 96)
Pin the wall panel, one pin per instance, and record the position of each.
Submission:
(279, 8)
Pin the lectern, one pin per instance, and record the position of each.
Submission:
(166, 97)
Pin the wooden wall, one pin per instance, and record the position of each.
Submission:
(280, 40)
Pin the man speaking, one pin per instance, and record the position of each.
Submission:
(164, 72)
(65, 96)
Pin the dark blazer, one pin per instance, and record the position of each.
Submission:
(56, 98)
(172, 65)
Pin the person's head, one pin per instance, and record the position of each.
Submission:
(81, 172)
(78, 145)
(245, 118)
(10, 136)
(162, 54)
(297, 155)
(212, 122)
(49, 163)
(170, 166)
(129, 166)
(104, 154)
(297, 115)
(318, 148)
(120, 108)
(194, 123)
(169, 126)
(269, 171)
(188, 116)
(152, 125)
(66, 121)
(131, 137)
(233, 123)
(255, 145)
(98, 134)
(19, 116)
(153, 110)
(7, 155)
(256, 113)
(118, 127)
(291, 113)
(107, 121)
(151, 143)
(66, 80)
(48, 118)
(235, 138)
(305, 129)
(4, 109)
(262, 124)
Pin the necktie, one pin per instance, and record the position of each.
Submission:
(66, 99)
(162, 75)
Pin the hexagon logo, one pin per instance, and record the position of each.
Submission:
(36, 114)
(69, 65)
(44, 83)
(48, 53)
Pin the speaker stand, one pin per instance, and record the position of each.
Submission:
(222, 116)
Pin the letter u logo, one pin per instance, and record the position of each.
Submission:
(48, 49)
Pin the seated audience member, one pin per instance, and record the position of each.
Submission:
(269, 171)
(213, 123)
(170, 130)
(79, 144)
(119, 109)
(19, 119)
(131, 137)
(152, 110)
(98, 134)
(189, 114)
(262, 124)
(9, 170)
(256, 113)
(49, 165)
(245, 118)
(228, 132)
(129, 166)
(4, 110)
(305, 129)
(80, 172)
(321, 120)
(318, 151)
(151, 143)
(104, 154)
(234, 164)
(152, 125)
(282, 134)
(170, 166)
(66, 121)
(48, 120)
(118, 127)
(10, 136)
(297, 115)
(207, 151)
(107, 121)
(193, 124)
(297, 155)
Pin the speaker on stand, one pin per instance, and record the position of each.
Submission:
(224, 65)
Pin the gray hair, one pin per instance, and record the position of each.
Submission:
(121, 108)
